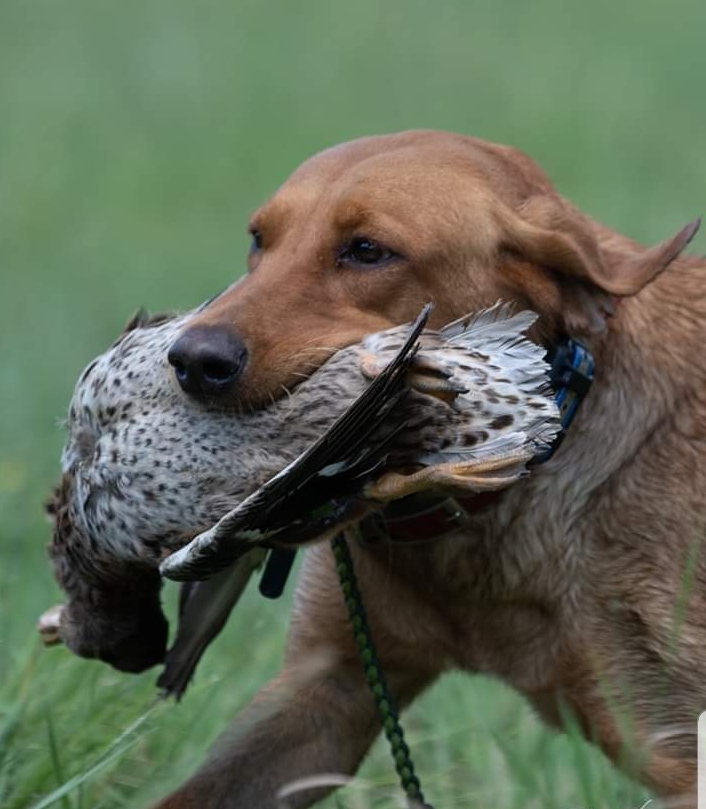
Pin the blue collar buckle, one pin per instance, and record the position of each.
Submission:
(571, 374)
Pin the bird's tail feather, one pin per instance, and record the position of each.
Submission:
(498, 325)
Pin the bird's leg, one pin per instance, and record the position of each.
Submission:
(471, 476)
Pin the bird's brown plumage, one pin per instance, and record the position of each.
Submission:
(146, 469)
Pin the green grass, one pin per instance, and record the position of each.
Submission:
(134, 139)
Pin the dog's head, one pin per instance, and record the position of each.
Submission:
(361, 235)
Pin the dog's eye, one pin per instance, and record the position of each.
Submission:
(365, 251)
(256, 243)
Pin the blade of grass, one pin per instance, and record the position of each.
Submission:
(56, 761)
(127, 739)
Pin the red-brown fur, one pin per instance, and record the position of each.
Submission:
(568, 587)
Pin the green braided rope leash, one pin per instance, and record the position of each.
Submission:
(375, 676)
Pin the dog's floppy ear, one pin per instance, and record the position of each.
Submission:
(552, 234)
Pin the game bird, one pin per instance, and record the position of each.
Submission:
(156, 481)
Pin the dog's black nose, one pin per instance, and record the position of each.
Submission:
(207, 360)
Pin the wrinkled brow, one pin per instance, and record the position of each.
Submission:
(356, 218)
(286, 205)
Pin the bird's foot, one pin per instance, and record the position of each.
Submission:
(468, 476)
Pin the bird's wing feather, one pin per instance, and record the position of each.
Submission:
(204, 610)
(491, 329)
(496, 447)
(354, 443)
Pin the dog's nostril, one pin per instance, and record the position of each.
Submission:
(218, 371)
(179, 369)
(207, 360)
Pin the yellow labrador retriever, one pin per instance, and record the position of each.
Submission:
(585, 584)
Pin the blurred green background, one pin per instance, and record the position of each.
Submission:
(134, 140)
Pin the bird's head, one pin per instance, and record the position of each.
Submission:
(113, 612)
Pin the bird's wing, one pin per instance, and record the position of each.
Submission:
(203, 611)
(335, 465)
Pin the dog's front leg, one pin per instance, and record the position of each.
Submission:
(314, 721)
(291, 731)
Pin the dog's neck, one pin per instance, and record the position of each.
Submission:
(648, 366)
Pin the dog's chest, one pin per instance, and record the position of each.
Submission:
(504, 589)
